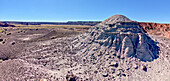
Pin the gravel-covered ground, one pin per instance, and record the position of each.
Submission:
(52, 58)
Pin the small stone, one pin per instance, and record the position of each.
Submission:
(107, 53)
(71, 77)
(122, 57)
(12, 43)
(105, 74)
(121, 70)
(145, 68)
(127, 68)
(115, 64)
(43, 79)
(158, 71)
(55, 51)
(118, 56)
(8, 34)
(118, 74)
(99, 54)
(112, 70)
(135, 66)
(124, 75)
(95, 71)
(1, 40)
(114, 54)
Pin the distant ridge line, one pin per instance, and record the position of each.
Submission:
(91, 23)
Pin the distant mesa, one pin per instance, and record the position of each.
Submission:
(1, 24)
(6, 25)
(90, 23)
(117, 35)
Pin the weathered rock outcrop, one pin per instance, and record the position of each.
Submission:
(156, 28)
(116, 35)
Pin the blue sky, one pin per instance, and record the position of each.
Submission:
(75, 10)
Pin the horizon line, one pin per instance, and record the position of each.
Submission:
(71, 21)
(46, 20)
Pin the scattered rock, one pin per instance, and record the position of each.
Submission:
(95, 71)
(8, 34)
(71, 77)
(13, 43)
(43, 79)
(115, 64)
(118, 56)
(122, 57)
(105, 74)
(99, 54)
(114, 54)
(5, 29)
(144, 68)
(118, 73)
(55, 51)
(113, 70)
(1, 40)
(124, 75)
(135, 66)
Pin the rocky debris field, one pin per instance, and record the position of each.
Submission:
(116, 49)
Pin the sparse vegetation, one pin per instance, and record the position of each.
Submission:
(1, 61)
(1, 30)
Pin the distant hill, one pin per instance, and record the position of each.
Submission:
(90, 23)
(6, 25)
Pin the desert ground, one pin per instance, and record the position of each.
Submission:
(49, 53)
(16, 42)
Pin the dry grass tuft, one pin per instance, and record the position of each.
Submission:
(1, 30)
